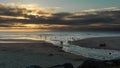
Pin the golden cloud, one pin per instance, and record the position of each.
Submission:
(12, 17)
(28, 9)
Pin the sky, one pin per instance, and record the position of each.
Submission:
(69, 5)
(59, 15)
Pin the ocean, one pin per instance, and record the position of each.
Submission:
(54, 37)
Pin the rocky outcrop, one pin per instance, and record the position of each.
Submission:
(34, 66)
(66, 65)
(93, 64)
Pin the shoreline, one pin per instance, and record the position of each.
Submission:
(111, 43)
(96, 48)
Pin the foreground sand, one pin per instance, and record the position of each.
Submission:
(20, 55)
(112, 43)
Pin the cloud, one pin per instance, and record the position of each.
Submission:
(18, 9)
(103, 9)
(12, 17)
(32, 16)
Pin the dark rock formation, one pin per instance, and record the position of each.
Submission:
(102, 45)
(112, 63)
(34, 66)
(66, 65)
(93, 64)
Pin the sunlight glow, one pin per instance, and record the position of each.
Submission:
(12, 17)
(31, 25)
(20, 27)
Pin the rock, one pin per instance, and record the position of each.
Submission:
(57, 66)
(66, 65)
(34, 66)
(114, 62)
(91, 63)
(102, 45)
(51, 55)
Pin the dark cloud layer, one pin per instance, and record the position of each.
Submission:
(90, 20)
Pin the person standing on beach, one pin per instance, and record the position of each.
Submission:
(61, 43)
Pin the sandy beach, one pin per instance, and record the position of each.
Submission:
(20, 55)
(112, 43)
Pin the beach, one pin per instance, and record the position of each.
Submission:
(20, 55)
(112, 43)
(39, 52)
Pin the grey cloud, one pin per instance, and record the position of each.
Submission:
(74, 21)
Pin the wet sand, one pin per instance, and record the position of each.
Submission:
(20, 55)
(20, 41)
(112, 43)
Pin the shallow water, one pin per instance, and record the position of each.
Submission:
(55, 37)
(101, 54)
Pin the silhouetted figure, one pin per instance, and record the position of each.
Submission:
(34, 66)
(66, 65)
(61, 42)
(92, 64)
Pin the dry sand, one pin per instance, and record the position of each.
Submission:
(20, 55)
(112, 43)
